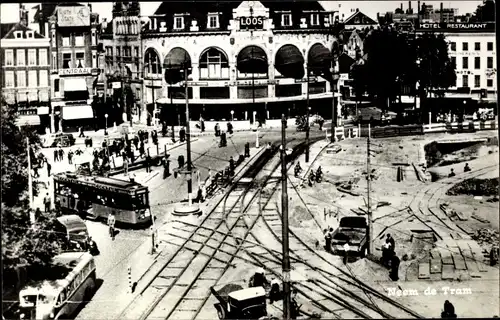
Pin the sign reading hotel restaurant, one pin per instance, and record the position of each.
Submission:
(75, 71)
(451, 27)
(251, 23)
(73, 16)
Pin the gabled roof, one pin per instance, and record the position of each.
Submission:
(23, 28)
(364, 19)
(5, 28)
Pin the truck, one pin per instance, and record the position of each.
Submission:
(353, 231)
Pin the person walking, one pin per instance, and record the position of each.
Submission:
(166, 167)
(81, 135)
(217, 130)
(148, 162)
(61, 154)
(231, 166)
(46, 202)
(70, 157)
(392, 244)
(229, 128)
(49, 167)
(180, 161)
(202, 124)
(141, 149)
(274, 293)
(223, 140)
(111, 225)
(182, 134)
(247, 150)
(56, 155)
(395, 261)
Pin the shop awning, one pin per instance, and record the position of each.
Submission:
(75, 84)
(290, 62)
(177, 59)
(319, 57)
(28, 120)
(252, 59)
(77, 112)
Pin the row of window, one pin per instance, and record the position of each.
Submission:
(20, 60)
(477, 81)
(127, 51)
(30, 34)
(79, 40)
(80, 277)
(477, 62)
(35, 79)
(465, 46)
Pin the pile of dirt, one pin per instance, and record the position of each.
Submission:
(486, 236)
(475, 187)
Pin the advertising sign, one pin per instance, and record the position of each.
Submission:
(73, 16)
(75, 71)
(455, 27)
(252, 23)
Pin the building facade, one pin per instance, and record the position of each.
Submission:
(73, 32)
(246, 60)
(25, 73)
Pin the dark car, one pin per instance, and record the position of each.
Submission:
(76, 231)
(56, 139)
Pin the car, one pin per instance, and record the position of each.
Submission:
(55, 139)
(76, 231)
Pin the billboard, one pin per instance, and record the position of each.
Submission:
(73, 16)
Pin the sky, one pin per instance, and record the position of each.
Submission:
(9, 12)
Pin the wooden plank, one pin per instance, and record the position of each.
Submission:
(424, 270)
(478, 256)
(448, 272)
(436, 265)
(445, 256)
(459, 261)
(461, 216)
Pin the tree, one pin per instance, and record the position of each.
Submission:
(22, 243)
(485, 12)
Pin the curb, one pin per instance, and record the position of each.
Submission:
(304, 175)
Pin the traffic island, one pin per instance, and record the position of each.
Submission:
(186, 210)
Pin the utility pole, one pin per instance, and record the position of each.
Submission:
(284, 209)
(188, 140)
(307, 114)
(171, 108)
(30, 178)
(368, 201)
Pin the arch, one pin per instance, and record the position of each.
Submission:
(213, 64)
(289, 61)
(175, 63)
(152, 64)
(252, 59)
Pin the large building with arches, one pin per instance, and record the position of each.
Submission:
(243, 60)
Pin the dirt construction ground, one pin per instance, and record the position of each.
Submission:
(478, 213)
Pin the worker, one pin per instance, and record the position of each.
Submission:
(258, 279)
(494, 256)
(448, 311)
(467, 168)
(391, 242)
(346, 252)
(394, 273)
(297, 169)
(274, 293)
(452, 173)
(294, 310)
(385, 254)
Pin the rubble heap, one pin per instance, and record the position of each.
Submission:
(475, 187)
(486, 236)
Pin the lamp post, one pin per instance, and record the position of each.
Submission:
(307, 113)
(232, 115)
(188, 139)
(106, 124)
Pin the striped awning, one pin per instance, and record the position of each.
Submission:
(290, 62)
(28, 120)
(77, 112)
(252, 59)
(75, 84)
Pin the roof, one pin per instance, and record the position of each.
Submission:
(247, 293)
(72, 222)
(20, 27)
(305, 5)
(5, 28)
(364, 19)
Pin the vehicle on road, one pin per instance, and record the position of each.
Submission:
(241, 304)
(59, 298)
(96, 197)
(352, 231)
(76, 230)
(58, 139)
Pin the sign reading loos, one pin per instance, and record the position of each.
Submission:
(73, 16)
(75, 71)
(252, 23)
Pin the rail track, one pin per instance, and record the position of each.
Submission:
(180, 289)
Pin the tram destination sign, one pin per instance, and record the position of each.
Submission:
(252, 23)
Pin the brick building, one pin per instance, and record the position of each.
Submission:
(25, 72)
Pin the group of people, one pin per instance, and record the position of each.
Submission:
(452, 171)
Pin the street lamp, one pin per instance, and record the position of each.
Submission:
(106, 126)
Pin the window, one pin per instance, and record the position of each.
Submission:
(42, 57)
(477, 62)
(80, 59)
(127, 51)
(44, 78)
(477, 81)
(453, 46)
(118, 52)
(56, 85)
(465, 46)
(18, 34)
(94, 60)
(286, 20)
(315, 19)
(66, 42)
(66, 60)
(32, 57)
(21, 79)
(214, 65)
(152, 62)
(454, 61)
(465, 80)
(178, 23)
(489, 83)
(79, 40)
(9, 57)
(29, 34)
(213, 21)
(9, 79)
(477, 46)
(465, 62)
(489, 63)
(136, 52)
(54, 60)
(21, 57)
(490, 46)
(32, 82)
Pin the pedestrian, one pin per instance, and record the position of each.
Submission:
(294, 308)
(81, 135)
(164, 129)
(328, 239)
(203, 191)
(321, 121)
(202, 124)
(467, 168)
(346, 252)
(452, 173)
(258, 279)
(395, 261)
(180, 161)
(46, 202)
(217, 130)
(231, 166)
(61, 154)
(35, 171)
(274, 293)
(141, 149)
(154, 137)
(56, 155)
(111, 224)
(448, 311)
(229, 128)
(136, 142)
(166, 167)
(70, 157)
(38, 213)
(392, 244)
(148, 162)
(91, 142)
(49, 167)
(247, 150)
(182, 134)
(223, 141)
(146, 135)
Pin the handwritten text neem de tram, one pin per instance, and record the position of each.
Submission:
(396, 292)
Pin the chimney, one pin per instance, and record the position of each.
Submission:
(441, 12)
(418, 7)
(401, 6)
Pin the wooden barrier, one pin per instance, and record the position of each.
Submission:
(468, 126)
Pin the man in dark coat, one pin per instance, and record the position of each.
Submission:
(49, 167)
(180, 161)
(61, 154)
(217, 130)
(231, 166)
(247, 149)
(56, 155)
(223, 140)
(182, 134)
(394, 273)
(229, 128)
(70, 157)
(166, 167)
(141, 148)
(148, 163)
(448, 311)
